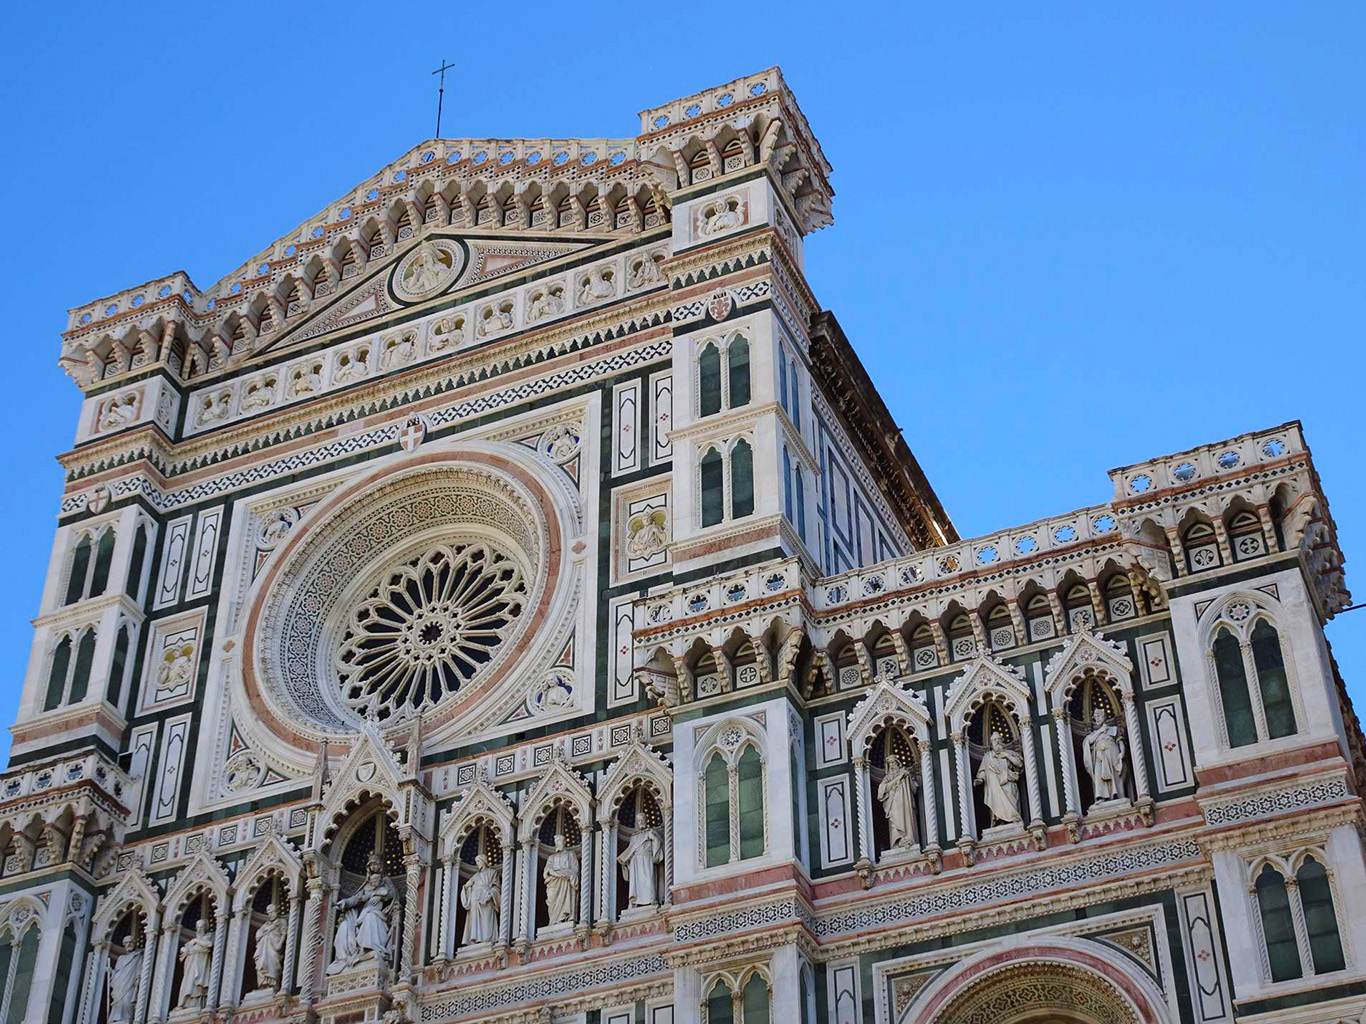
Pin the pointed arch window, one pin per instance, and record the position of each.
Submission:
(755, 1000)
(1278, 925)
(133, 587)
(80, 675)
(1256, 687)
(750, 785)
(713, 487)
(733, 800)
(720, 1009)
(742, 480)
(56, 678)
(1228, 666)
(104, 557)
(737, 369)
(718, 812)
(80, 570)
(725, 482)
(1275, 689)
(119, 668)
(1320, 917)
(723, 375)
(709, 380)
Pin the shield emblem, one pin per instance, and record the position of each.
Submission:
(719, 305)
(412, 433)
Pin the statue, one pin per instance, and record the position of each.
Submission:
(562, 883)
(648, 533)
(553, 693)
(176, 668)
(270, 949)
(896, 792)
(397, 351)
(123, 986)
(426, 270)
(645, 272)
(257, 395)
(482, 899)
(121, 410)
(1102, 752)
(722, 218)
(638, 860)
(596, 286)
(196, 956)
(998, 775)
(543, 304)
(307, 380)
(365, 931)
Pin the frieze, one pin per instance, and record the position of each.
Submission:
(1264, 804)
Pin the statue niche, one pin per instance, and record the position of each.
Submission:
(1100, 745)
(893, 764)
(193, 967)
(640, 853)
(996, 768)
(267, 928)
(123, 977)
(559, 842)
(369, 897)
(479, 909)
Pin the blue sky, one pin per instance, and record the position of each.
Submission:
(1067, 237)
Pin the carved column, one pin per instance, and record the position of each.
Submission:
(1031, 771)
(1137, 755)
(1292, 890)
(1062, 731)
(220, 943)
(233, 957)
(929, 799)
(88, 1010)
(161, 981)
(863, 794)
(412, 890)
(150, 949)
(291, 937)
(505, 911)
(586, 875)
(9, 978)
(312, 941)
(445, 909)
(668, 894)
(966, 832)
(607, 845)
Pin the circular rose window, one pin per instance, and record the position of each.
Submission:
(427, 628)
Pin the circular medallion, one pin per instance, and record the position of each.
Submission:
(427, 270)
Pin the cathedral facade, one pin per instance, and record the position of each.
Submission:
(507, 598)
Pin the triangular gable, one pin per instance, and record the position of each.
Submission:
(886, 702)
(1085, 650)
(363, 304)
(490, 258)
(984, 676)
(479, 801)
(560, 783)
(133, 889)
(370, 767)
(638, 761)
(273, 853)
(202, 870)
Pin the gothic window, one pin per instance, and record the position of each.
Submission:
(119, 668)
(1320, 917)
(1202, 550)
(962, 643)
(69, 676)
(787, 486)
(1278, 926)
(1077, 604)
(713, 487)
(732, 798)
(726, 482)
(1228, 666)
(755, 1000)
(1248, 662)
(723, 378)
(1119, 598)
(1000, 630)
(719, 1009)
(799, 486)
(1245, 536)
(134, 583)
(18, 962)
(90, 563)
(924, 653)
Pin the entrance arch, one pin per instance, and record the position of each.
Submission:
(1041, 981)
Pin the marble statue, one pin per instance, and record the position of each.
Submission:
(482, 898)
(196, 956)
(123, 986)
(999, 775)
(896, 792)
(644, 850)
(1102, 752)
(365, 931)
(270, 949)
(562, 883)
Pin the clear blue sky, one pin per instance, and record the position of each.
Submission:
(1067, 237)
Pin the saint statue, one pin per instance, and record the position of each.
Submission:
(482, 898)
(644, 850)
(722, 218)
(176, 668)
(999, 775)
(645, 272)
(270, 949)
(397, 352)
(196, 956)
(426, 270)
(648, 533)
(123, 986)
(896, 792)
(1102, 752)
(365, 931)
(562, 883)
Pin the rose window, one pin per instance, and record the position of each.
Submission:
(428, 629)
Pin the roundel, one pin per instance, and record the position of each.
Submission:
(428, 269)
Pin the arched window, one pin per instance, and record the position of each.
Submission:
(1228, 666)
(750, 785)
(756, 1000)
(741, 480)
(1320, 918)
(22, 974)
(1039, 619)
(720, 1010)
(713, 479)
(1000, 630)
(85, 658)
(737, 368)
(134, 584)
(1278, 926)
(56, 678)
(1245, 536)
(800, 497)
(119, 666)
(788, 510)
(709, 381)
(80, 570)
(1275, 690)
(718, 813)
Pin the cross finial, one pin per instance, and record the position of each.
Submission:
(441, 92)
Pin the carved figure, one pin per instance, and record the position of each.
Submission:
(1102, 752)
(999, 775)
(365, 932)
(722, 218)
(176, 667)
(258, 395)
(307, 380)
(596, 286)
(196, 955)
(123, 986)
(638, 860)
(397, 351)
(554, 693)
(426, 270)
(562, 883)
(648, 533)
(645, 272)
(120, 410)
(482, 897)
(270, 948)
(546, 303)
(896, 792)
